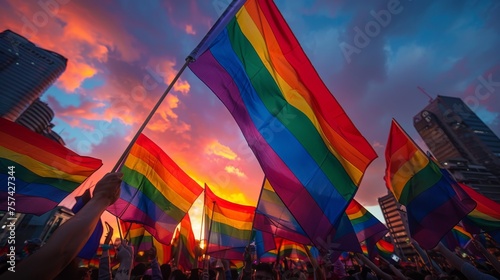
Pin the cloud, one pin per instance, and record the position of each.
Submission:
(218, 149)
(234, 170)
(190, 30)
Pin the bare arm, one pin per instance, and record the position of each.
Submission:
(69, 239)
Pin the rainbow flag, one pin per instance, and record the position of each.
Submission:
(142, 240)
(433, 204)
(364, 248)
(309, 149)
(228, 226)
(155, 191)
(486, 215)
(457, 237)
(364, 223)
(384, 249)
(137, 235)
(184, 251)
(291, 249)
(37, 172)
(273, 216)
(264, 243)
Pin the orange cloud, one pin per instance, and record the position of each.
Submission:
(218, 149)
(190, 30)
(166, 70)
(235, 170)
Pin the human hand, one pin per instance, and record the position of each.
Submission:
(108, 188)
(152, 253)
(125, 255)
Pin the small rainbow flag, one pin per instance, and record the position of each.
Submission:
(40, 171)
(364, 223)
(143, 241)
(434, 203)
(155, 191)
(228, 225)
(485, 216)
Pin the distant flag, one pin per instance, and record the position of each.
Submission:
(184, 251)
(485, 216)
(434, 206)
(40, 171)
(307, 146)
(364, 248)
(228, 226)
(90, 248)
(143, 241)
(457, 237)
(155, 191)
(290, 249)
(364, 223)
(384, 249)
(137, 236)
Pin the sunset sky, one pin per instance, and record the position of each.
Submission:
(122, 55)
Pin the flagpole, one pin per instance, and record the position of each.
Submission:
(257, 207)
(209, 233)
(151, 114)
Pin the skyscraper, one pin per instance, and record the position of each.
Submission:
(452, 131)
(26, 71)
(397, 223)
(38, 117)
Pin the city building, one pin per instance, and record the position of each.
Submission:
(30, 227)
(26, 71)
(38, 117)
(455, 134)
(476, 177)
(397, 223)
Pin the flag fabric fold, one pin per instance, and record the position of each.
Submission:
(364, 223)
(307, 146)
(42, 172)
(486, 215)
(434, 203)
(155, 191)
(272, 216)
(228, 226)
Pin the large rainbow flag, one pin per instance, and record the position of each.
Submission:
(309, 149)
(37, 173)
(434, 206)
(155, 191)
(364, 223)
(486, 215)
(228, 226)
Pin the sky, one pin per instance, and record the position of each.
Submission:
(123, 54)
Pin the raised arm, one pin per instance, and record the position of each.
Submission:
(69, 238)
